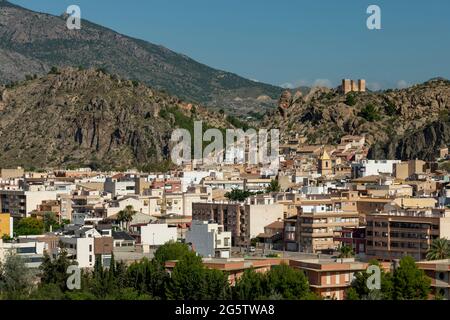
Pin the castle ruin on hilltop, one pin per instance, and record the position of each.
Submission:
(353, 86)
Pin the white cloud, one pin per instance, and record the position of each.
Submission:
(374, 86)
(402, 84)
(287, 85)
(307, 83)
(322, 83)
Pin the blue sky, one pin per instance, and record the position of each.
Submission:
(294, 42)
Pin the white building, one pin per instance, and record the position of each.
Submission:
(139, 203)
(158, 234)
(209, 240)
(120, 187)
(80, 249)
(32, 252)
(366, 168)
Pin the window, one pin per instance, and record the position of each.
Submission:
(90, 258)
(26, 250)
(90, 248)
(328, 278)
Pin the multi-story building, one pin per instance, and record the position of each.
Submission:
(439, 273)
(355, 238)
(20, 203)
(397, 232)
(31, 251)
(209, 240)
(244, 221)
(329, 278)
(157, 234)
(320, 218)
(366, 168)
(120, 186)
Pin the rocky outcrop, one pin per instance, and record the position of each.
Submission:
(422, 144)
(285, 102)
(88, 118)
(388, 119)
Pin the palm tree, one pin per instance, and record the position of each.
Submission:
(273, 187)
(126, 216)
(439, 249)
(345, 252)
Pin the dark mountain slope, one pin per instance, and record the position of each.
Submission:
(42, 40)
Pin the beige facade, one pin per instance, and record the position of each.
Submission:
(396, 233)
(244, 221)
(320, 219)
(353, 86)
(12, 173)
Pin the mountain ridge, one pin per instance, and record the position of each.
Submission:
(44, 39)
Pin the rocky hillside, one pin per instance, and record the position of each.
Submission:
(31, 43)
(402, 124)
(77, 117)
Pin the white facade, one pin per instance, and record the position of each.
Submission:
(373, 167)
(263, 215)
(139, 204)
(158, 234)
(82, 249)
(209, 240)
(120, 188)
(191, 178)
(32, 252)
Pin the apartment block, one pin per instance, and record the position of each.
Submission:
(20, 203)
(398, 232)
(439, 273)
(320, 219)
(244, 221)
(329, 278)
(209, 240)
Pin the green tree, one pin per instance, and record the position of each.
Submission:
(390, 108)
(439, 249)
(55, 271)
(217, 285)
(273, 187)
(15, 278)
(350, 99)
(50, 291)
(171, 251)
(345, 252)
(50, 219)
(409, 282)
(290, 283)
(360, 290)
(29, 226)
(187, 281)
(126, 216)
(238, 195)
(147, 277)
(250, 286)
(370, 113)
(54, 70)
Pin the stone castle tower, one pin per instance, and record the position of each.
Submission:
(353, 86)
